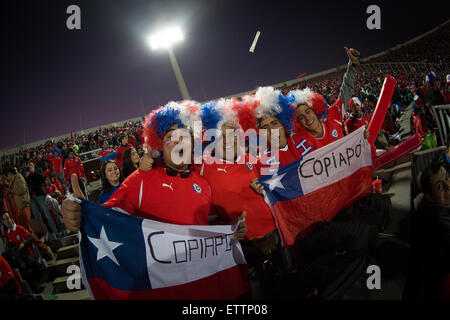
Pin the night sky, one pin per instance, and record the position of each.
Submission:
(54, 80)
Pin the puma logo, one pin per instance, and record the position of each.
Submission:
(224, 169)
(166, 185)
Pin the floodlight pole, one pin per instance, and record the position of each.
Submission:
(176, 69)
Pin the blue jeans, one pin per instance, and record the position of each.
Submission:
(38, 204)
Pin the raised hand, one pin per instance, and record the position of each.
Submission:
(239, 234)
(352, 54)
(70, 210)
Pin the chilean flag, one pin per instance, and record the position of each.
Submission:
(124, 257)
(318, 186)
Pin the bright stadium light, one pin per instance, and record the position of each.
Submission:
(165, 39)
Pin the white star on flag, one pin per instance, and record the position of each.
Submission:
(105, 247)
(275, 181)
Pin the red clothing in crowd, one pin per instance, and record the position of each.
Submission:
(50, 157)
(57, 164)
(72, 166)
(447, 97)
(132, 140)
(158, 196)
(141, 135)
(332, 129)
(231, 194)
(50, 189)
(120, 150)
(6, 274)
(105, 152)
(352, 123)
(18, 235)
(286, 155)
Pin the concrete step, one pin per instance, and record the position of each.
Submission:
(68, 252)
(60, 284)
(74, 295)
(59, 267)
(69, 240)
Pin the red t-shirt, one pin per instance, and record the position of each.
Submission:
(6, 274)
(50, 189)
(232, 194)
(157, 196)
(18, 235)
(332, 129)
(352, 124)
(120, 150)
(57, 165)
(73, 166)
(286, 155)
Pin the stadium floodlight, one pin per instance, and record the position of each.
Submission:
(165, 39)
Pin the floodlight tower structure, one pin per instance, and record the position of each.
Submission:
(166, 39)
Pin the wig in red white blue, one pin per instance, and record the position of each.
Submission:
(272, 102)
(159, 121)
(223, 111)
(313, 100)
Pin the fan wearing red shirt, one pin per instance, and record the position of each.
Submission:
(171, 193)
(230, 173)
(317, 123)
(121, 149)
(106, 153)
(17, 234)
(132, 140)
(73, 165)
(357, 119)
(8, 282)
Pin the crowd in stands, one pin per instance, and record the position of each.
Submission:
(37, 179)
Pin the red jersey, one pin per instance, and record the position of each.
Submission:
(232, 194)
(105, 152)
(120, 150)
(132, 140)
(7, 274)
(73, 166)
(157, 196)
(57, 164)
(352, 123)
(50, 189)
(289, 153)
(18, 235)
(332, 128)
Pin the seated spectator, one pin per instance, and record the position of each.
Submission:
(130, 161)
(112, 178)
(357, 119)
(433, 228)
(19, 252)
(106, 153)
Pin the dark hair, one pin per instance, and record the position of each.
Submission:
(106, 186)
(371, 98)
(427, 173)
(128, 166)
(11, 170)
(71, 150)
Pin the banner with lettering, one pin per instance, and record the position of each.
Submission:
(318, 186)
(126, 257)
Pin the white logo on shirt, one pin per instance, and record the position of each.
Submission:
(224, 169)
(166, 185)
(18, 237)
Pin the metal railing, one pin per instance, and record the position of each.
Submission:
(441, 114)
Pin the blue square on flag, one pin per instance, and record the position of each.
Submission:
(113, 248)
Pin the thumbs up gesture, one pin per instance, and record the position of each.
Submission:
(353, 55)
(70, 210)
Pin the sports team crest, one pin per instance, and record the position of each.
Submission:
(197, 188)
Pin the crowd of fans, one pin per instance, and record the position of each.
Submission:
(37, 179)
